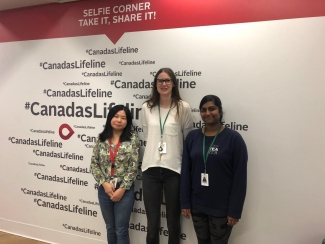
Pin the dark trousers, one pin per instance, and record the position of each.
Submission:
(155, 180)
(209, 229)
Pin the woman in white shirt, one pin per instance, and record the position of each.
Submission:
(166, 121)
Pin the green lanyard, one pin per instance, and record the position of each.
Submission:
(205, 156)
(163, 126)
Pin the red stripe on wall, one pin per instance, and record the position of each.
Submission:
(68, 20)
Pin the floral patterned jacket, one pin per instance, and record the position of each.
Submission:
(126, 162)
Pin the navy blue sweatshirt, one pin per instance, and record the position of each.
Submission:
(227, 170)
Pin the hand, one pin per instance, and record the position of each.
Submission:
(117, 195)
(109, 188)
(186, 212)
(232, 221)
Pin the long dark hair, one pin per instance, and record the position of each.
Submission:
(155, 96)
(216, 100)
(108, 130)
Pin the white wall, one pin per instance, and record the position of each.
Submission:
(269, 75)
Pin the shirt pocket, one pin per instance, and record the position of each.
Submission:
(171, 129)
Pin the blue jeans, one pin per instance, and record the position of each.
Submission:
(116, 215)
(155, 180)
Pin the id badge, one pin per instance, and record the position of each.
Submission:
(113, 182)
(204, 179)
(162, 148)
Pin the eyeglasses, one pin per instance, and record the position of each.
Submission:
(211, 109)
(161, 81)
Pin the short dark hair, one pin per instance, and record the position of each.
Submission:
(155, 96)
(108, 130)
(216, 100)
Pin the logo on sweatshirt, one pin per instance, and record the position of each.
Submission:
(214, 149)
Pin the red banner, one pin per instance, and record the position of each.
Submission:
(115, 17)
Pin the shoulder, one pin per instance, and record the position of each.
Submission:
(130, 142)
(185, 108)
(134, 136)
(100, 144)
(184, 104)
(146, 108)
(233, 135)
(231, 132)
(192, 137)
(98, 140)
(194, 133)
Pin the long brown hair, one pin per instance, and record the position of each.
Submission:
(155, 96)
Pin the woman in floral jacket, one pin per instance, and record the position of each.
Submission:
(114, 166)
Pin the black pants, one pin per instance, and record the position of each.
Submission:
(155, 180)
(209, 229)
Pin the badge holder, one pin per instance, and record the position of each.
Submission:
(162, 149)
(204, 179)
(113, 182)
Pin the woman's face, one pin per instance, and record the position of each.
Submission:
(164, 84)
(210, 113)
(119, 120)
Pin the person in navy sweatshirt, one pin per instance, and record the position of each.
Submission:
(213, 175)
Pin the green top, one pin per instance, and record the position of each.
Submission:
(126, 162)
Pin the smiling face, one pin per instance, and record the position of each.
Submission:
(210, 113)
(119, 121)
(164, 84)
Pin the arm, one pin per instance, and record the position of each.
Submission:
(132, 164)
(186, 182)
(95, 164)
(144, 121)
(238, 192)
(187, 120)
(97, 172)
